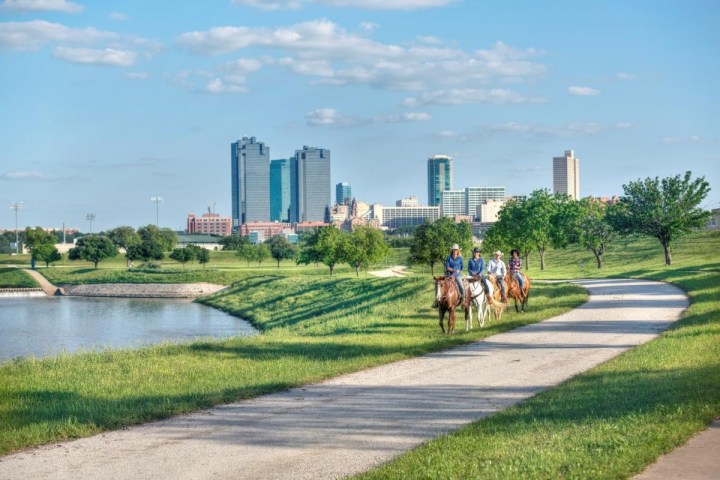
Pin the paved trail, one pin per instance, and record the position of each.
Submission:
(355, 422)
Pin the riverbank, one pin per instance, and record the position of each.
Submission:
(143, 290)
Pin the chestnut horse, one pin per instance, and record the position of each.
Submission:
(447, 296)
(514, 292)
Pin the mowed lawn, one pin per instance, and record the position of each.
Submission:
(607, 423)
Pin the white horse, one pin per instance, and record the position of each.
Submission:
(479, 300)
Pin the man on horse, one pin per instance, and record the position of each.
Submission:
(497, 267)
(514, 266)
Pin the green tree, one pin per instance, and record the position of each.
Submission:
(93, 248)
(233, 242)
(364, 246)
(46, 253)
(37, 236)
(123, 237)
(432, 241)
(665, 209)
(593, 230)
(166, 238)
(325, 245)
(144, 251)
(182, 255)
(202, 256)
(262, 253)
(246, 252)
(280, 248)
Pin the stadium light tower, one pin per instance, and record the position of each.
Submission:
(90, 217)
(17, 206)
(157, 201)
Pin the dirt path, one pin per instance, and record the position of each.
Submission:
(47, 287)
(355, 422)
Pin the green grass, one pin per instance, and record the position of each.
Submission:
(14, 278)
(612, 421)
(314, 328)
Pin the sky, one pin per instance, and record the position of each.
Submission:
(105, 104)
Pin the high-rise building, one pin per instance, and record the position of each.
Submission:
(209, 224)
(250, 181)
(465, 202)
(280, 190)
(343, 193)
(310, 185)
(440, 173)
(566, 175)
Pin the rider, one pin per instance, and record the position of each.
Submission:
(514, 265)
(497, 266)
(454, 267)
(476, 266)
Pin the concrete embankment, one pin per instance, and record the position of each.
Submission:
(143, 290)
(22, 292)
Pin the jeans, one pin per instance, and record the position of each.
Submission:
(519, 278)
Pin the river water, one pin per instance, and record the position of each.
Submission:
(46, 326)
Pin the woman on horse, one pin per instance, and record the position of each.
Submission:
(497, 267)
(454, 268)
(514, 266)
(476, 266)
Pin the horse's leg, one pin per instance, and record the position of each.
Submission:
(451, 322)
(441, 313)
(468, 313)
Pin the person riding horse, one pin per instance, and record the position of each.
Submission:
(476, 267)
(497, 267)
(514, 266)
(454, 268)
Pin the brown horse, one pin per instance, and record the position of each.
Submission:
(514, 292)
(447, 296)
(496, 294)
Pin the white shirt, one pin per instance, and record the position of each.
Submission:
(497, 267)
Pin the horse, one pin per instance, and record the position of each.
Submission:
(514, 292)
(496, 296)
(479, 299)
(447, 296)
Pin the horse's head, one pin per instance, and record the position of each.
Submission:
(444, 288)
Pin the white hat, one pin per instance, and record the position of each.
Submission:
(498, 252)
(455, 247)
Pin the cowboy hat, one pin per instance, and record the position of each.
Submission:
(477, 250)
(498, 252)
(455, 247)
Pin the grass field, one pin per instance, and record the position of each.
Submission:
(14, 278)
(607, 423)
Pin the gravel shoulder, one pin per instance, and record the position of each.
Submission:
(354, 422)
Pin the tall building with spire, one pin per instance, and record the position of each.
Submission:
(566, 175)
(249, 161)
(440, 178)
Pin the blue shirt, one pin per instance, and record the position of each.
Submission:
(456, 264)
(476, 267)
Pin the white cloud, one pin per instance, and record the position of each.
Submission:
(34, 34)
(243, 65)
(228, 84)
(120, 17)
(137, 75)
(27, 175)
(42, 5)
(369, 4)
(329, 117)
(626, 76)
(405, 117)
(323, 50)
(571, 130)
(368, 26)
(464, 96)
(583, 91)
(91, 56)
(685, 139)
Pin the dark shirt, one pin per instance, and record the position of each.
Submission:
(476, 267)
(456, 264)
(514, 265)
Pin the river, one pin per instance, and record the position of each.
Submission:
(46, 326)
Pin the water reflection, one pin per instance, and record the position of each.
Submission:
(46, 326)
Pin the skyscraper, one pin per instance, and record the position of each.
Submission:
(310, 184)
(280, 190)
(343, 193)
(566, 175)
(249, 161)
(440, 172)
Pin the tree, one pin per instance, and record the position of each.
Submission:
(246, 252)
(432, 241)
(144, 251)
(37, 236)
(364, 246)
(262, 253)
(593, 230)
(665, 209)
(123, 237)
(280, 248)
(182, 255)
(325, 245)
(202, 256)
(233, 242)
(93, 248)
(46, 253)
(166, 238)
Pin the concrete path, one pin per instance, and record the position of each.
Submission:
(355, 422)
(47, 287)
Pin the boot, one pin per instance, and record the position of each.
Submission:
(435, 304)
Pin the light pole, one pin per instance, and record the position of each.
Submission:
(90, 217)
(17, 206)
(157, 201)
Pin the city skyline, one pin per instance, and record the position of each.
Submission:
(106, 105)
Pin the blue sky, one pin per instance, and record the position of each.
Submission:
(106, 104)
